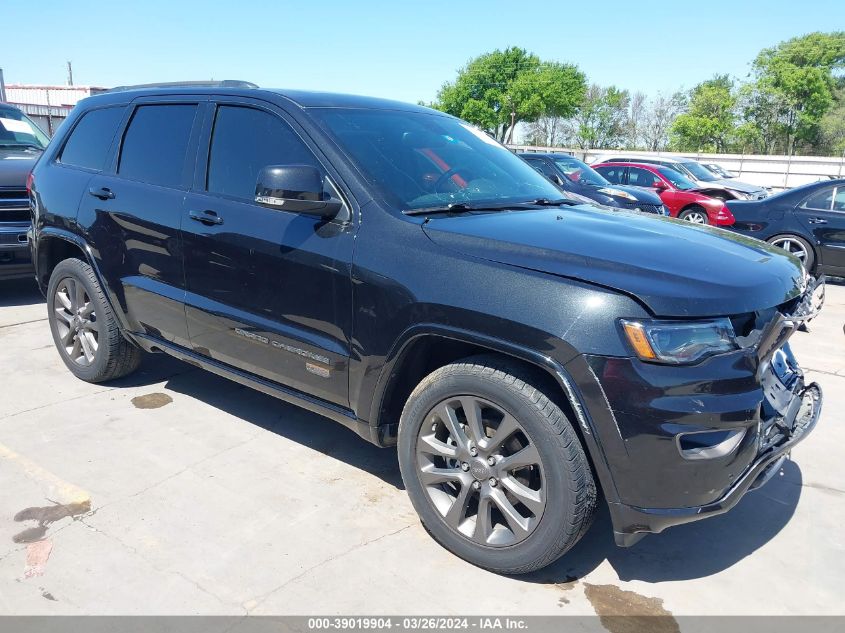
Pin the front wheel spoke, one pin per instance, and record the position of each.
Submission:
(76, 349)
(432, 446)
(87, 349)
(87, 311)
(516, 522)
(531, 499)
(507, 427)
(62, 314)
(80, 296)
(527, 456)
(67, 337)
(483, 520)
(431, 475)
(91, 326)
(448, 417)
(475, 427)
(457, 512)
(64, 299)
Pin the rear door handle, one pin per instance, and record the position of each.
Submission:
(817, 221)
(103, 193)
(208, 217)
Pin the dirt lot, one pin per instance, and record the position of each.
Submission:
(177, 492)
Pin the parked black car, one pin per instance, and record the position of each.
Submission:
(807, 221)
(21, 144)
(573, 175)
(399, 271)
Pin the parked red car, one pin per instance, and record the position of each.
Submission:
(676, 191)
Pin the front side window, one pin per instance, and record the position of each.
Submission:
(641, 177)
(839, 199)
(18, 130)
(700, 172)
(822, 200)
(244, 141)
(155, 144)
(91, 138)
(417, 160)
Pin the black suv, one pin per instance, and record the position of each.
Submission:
(399, 271)
(21, 144)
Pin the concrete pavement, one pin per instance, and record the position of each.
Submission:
(177, 492)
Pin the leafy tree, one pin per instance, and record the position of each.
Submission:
(799, 74)
(657, 120)
(500, 89)
(602, 118)
(709, 121)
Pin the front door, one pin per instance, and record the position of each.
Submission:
(269, 291)
(823, 213)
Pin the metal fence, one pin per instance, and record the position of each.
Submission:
(778, 172)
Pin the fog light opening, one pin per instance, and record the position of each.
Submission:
(709, 444)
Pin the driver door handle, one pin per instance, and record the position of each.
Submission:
(103, 193)
(207, 217)
(817, 221)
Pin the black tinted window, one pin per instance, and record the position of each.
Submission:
(641, 177)
(820, 200)
(613, 174)
(244, 141)
(155, 144)
(90, 140)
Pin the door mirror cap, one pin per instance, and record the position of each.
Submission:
(295, 188)
(660, 185)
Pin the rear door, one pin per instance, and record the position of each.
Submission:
(269, 290)
(133, 214)
(823, 215)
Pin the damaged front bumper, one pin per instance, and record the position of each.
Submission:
(657, 464)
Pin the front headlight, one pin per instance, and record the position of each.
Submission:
(679, 342)
(741, 196)
(618, 193)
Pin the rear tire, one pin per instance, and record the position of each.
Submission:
(798, 246)
(84, 328)
(525, 496)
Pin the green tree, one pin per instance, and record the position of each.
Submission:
(602, 118)
(497, 90)
(709, 121)
(799, 74)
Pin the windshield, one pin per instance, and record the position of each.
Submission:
(18, 130)
(677, 179)
(580, 172)
(700, 172)
(418, 160)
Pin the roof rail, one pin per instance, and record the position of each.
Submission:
(226, 83)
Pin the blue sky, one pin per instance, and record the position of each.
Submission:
(400, 50)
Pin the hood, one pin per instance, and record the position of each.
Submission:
(673, 267)
(15, 165)
(737, 185)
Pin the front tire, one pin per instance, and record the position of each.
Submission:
(84, 328)
(493, 466)
(695, 214)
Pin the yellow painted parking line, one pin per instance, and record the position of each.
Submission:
(60, 491)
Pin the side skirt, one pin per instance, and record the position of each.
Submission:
(343, 415)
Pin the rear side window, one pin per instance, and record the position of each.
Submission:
(613, 174)
(821, 200)
(155, 144)
(90, 140)
(245, 140)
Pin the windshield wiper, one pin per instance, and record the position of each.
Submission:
(24, 145)
(460, 207)
(546, 202)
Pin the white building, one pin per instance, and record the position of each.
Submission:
(48, 106)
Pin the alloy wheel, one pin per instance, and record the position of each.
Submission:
(696, 217)
(76, 321)
(792, 246)
(481, 471)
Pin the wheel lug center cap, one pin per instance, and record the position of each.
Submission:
(479, 469)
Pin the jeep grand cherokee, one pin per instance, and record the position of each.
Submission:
(399, 271)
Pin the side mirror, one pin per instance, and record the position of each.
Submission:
(295, 188)
(659, 185)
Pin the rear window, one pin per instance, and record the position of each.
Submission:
(89, 142)
(155, 144)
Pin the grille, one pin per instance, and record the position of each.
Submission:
(14, 215)
(15, 195)
(646, 208)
